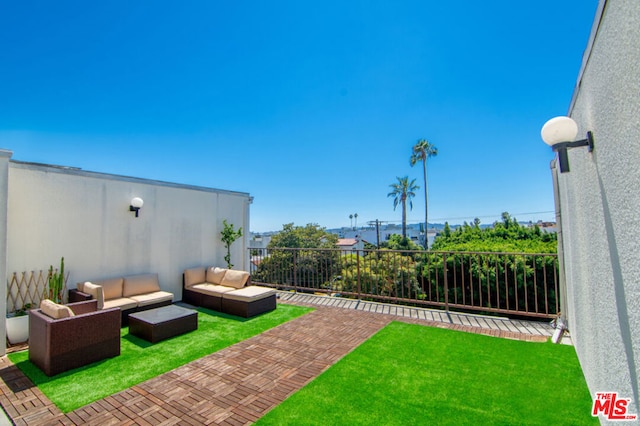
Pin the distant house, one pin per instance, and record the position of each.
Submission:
(349, 244)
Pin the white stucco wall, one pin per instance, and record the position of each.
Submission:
(85, 217)
(600, 206)
(4, 186)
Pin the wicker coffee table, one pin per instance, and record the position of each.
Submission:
(158, 324)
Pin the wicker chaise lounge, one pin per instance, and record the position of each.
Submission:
(60, 344)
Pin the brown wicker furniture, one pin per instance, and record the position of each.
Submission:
(226, 290)
(133, 293)
(58, 345)
(162, 323)
(249, 301)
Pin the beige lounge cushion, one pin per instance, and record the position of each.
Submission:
(151, 298)
(249, 294)
(211, 289)
(215, 275)
(112, 288)
(80, 287)
(135, 285)
(235, 279)
(194, 276)
(54, 310)
(123, 303)
(96, 292)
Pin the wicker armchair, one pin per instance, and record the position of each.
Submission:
(58, 345)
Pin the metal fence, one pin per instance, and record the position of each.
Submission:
(512, 284)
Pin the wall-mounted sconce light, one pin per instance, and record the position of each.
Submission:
(559, 133)
(136, 205)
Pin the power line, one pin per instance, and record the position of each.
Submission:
(472, 217)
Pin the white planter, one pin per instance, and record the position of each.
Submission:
(18, 329)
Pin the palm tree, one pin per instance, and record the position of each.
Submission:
(421, 151)
(351, 218)
(403, 191)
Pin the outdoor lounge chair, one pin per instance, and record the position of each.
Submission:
(90, 335)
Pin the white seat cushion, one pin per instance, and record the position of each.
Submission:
(151, 298)
(121, 302)
(211, 289)
(249, 294)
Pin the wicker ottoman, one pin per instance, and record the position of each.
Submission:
(249, 301)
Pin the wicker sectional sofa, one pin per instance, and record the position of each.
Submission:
(226, 290)
(131, 293)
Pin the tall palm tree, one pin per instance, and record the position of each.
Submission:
(422, 150)
(403, 191)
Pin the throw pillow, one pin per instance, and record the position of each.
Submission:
(54, 310)
(96, 292)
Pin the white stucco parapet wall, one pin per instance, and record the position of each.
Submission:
(55, 211)
(599, 203)
(5, 156)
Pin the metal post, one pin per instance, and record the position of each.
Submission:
(295, 271)
(446, 283)
(358, 270)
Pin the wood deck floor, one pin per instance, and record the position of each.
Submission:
(239, 384)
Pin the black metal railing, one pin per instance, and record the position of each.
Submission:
(512, 284)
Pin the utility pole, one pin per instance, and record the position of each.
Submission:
(377, 223)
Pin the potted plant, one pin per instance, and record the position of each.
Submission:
(18, 325)
(229, 235)
(56, 283)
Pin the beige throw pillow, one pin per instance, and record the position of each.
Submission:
(235, 279)
(112, 287)
(215, 275)
(194, 276)
(54, 310)
(140, 284)
(96, 292)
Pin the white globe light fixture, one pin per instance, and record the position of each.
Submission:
(136, 205)
(560, 133)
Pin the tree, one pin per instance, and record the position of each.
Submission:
(403, 191)
(294, 257)
(229, 235)
(396, 242)
(422, 150)
(309, 236)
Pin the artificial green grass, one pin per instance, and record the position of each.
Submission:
(416, 375)
(140, 360)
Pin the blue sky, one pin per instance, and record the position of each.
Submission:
(311, 107)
